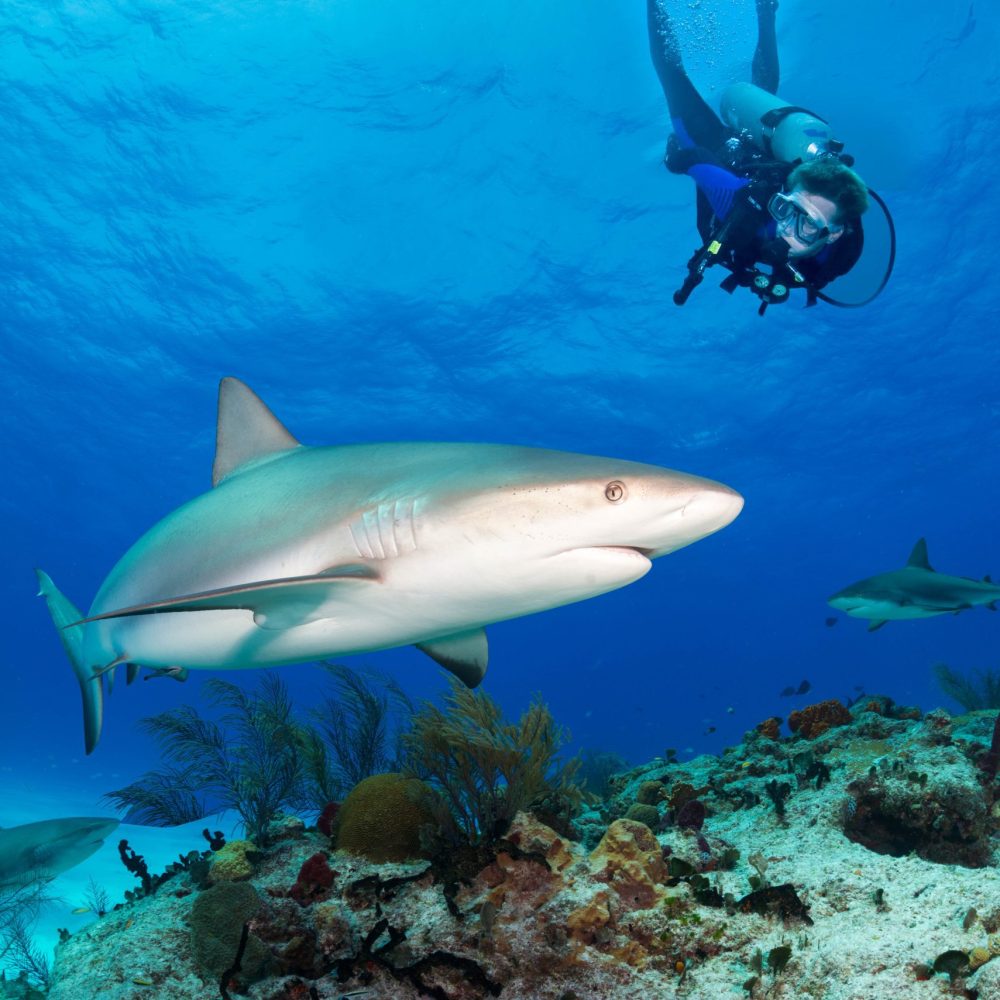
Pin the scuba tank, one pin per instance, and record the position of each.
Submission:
(783, 131)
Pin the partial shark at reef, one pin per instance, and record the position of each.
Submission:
(302, 553)
(915, 591)
(49, 847)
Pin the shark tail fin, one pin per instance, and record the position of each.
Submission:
(64, 613)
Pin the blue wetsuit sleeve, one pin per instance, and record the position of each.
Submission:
(718, 185)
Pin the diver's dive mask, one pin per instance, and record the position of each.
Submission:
(808, 229)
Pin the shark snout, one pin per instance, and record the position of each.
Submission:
(709, 508)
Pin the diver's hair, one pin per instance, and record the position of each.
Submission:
(831, 179)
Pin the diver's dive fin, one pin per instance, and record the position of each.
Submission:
(64, 613)
(465, 654)
(874, 626)
(276, 604)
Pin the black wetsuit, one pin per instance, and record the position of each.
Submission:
(701, 143)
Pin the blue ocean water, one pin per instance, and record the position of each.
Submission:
(450, 221)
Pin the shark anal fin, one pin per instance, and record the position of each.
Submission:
(108, 671)
(246, 430)
(918, 557)
(874, 626)
(465, 654)
(275, 604)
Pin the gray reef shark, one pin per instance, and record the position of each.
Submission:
(302, 553)
(915, 591)
(48, 848)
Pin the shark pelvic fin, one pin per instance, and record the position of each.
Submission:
(246, 430)
(64, 613)
(108, 670)
(875, 625)
(465, 654)
(276, 604)
(918, 557)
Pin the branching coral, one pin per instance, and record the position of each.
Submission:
(260, 758)
(356, 732)
(487, 769)
(974, 691)
(249, 761)
(20, 904)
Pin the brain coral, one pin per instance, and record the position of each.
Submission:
(382, 817)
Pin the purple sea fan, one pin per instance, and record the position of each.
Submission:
(691, 815)
(991, 761)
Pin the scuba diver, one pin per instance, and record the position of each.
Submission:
(778, 204)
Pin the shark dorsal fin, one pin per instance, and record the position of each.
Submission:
(918, 557)
(246, 430)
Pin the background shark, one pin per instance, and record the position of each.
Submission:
(915, 591)
(49, 848)
(305, 553)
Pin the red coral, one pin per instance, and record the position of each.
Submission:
(770, 728)
(315, 878)
(325, 822)
(814, 720)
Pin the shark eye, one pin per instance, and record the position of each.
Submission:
(615, 491)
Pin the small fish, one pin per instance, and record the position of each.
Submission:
(176, 673)
(711, 729)
(81, 909)
(787, 692)
(830, 622)
(730, 710)
(142, 981)
(804, 687)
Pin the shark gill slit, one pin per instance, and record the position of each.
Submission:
(361, 544)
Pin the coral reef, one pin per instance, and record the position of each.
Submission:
(750, 904)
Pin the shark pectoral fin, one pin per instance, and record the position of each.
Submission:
(874, 626)
(65, 613)
(465, 654)
(277, 603)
